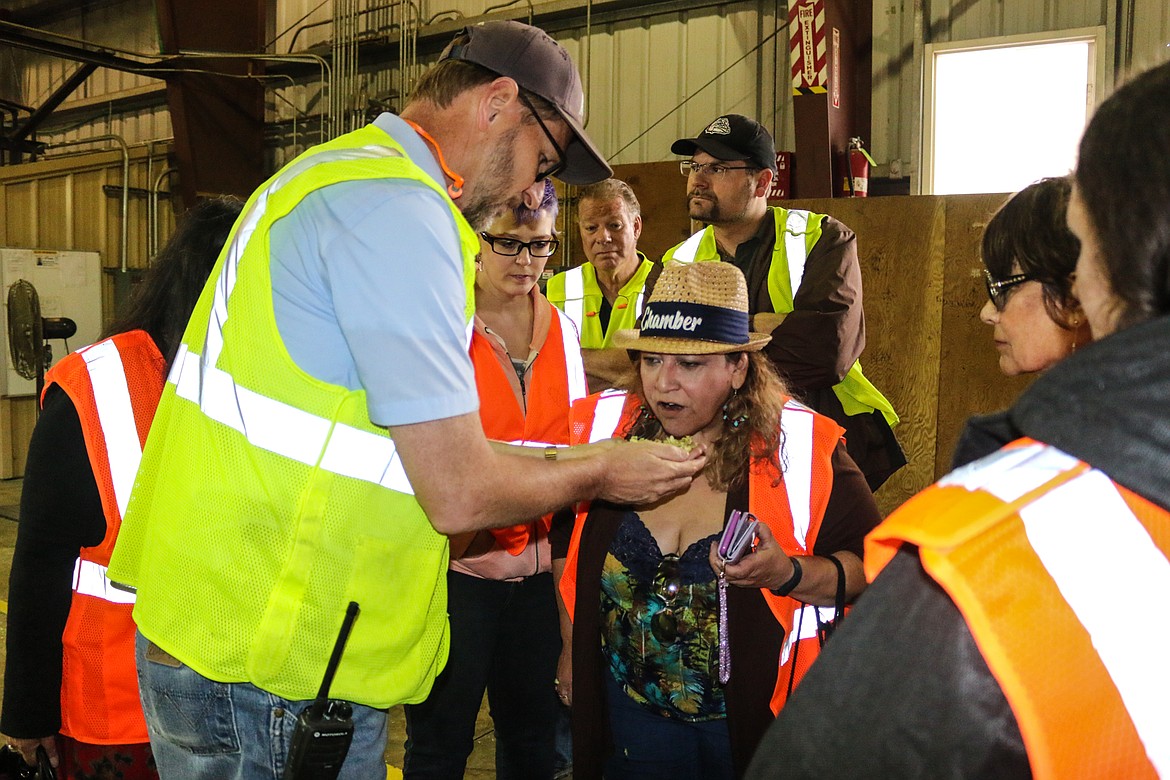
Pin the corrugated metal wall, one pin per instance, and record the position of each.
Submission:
(639, 71)
(128, 25)
(1134, 42)
(653, 80)
(74, 202)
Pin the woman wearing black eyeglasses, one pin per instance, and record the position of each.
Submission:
(1029, 256)
(505, 633)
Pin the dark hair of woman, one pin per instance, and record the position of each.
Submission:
(162, 303)
(759, 403)
(1123, 179)
(1030, 232)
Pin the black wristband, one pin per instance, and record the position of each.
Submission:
(793, 581)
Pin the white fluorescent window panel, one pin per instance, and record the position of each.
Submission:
(1002, 113)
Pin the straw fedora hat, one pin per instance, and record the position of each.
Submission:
(695, 309)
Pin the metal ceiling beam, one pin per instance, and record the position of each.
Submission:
(45, 109)
(22, 38)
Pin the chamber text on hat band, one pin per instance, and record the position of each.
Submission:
(664, 319)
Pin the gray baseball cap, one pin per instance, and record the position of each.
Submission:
(542, 66)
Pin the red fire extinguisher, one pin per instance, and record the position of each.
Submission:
(856, 183)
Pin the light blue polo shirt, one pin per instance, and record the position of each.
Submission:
(367, 283)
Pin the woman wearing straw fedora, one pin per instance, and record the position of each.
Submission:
(673, 673)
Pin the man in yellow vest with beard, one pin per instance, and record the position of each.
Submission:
(319, 434)
(804, 283)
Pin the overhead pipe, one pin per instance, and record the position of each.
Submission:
(125, 181)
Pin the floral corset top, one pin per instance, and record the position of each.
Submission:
(660, 624)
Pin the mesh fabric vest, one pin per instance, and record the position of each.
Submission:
(797, 232)
(792, 508)
(114, 385)
(577, 293)
(267, 500)
(1019, 540)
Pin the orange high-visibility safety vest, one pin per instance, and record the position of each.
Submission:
(792, 509)
(115, 386)
(558, 379)
(1058, 573)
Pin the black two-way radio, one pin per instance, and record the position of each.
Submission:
(324, 729)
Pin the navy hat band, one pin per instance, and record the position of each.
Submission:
(671, 320)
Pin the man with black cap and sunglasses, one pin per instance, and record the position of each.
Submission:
(803, 280)
(319, 433)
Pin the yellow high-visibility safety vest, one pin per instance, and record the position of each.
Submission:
(267, 500)
(797, 232)
(577, 293)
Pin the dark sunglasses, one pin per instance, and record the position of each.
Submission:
(998, 291)
(667, 586)
(557, 167)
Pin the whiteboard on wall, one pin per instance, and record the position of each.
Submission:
(68, 285)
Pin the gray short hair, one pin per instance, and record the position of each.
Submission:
(608, 189)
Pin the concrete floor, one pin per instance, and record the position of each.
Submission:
(481, 764)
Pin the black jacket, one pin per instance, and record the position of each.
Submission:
(902, 690)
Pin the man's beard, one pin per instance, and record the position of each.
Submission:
(487, 200)
(705, 210)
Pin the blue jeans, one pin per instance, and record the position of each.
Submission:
(648, 746)
(206, 730)
(505, 637)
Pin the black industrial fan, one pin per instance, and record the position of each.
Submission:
(29, 333)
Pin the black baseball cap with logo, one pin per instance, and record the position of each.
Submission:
(732, 137)
(542, 66)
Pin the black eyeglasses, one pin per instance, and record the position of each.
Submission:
(557, 167)
(998, 291)
(687, 167)
(510, 247)
(667, 584)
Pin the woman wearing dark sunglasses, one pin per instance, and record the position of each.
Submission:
(1029, 256)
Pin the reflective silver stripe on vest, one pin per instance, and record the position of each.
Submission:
(575, 297)
(533, 443)
(213, 344)
(90, 579)
(1001, 473)
(286, 430)
(1068, 528)
(688, 249)
(574, 368)
(115, 411)
(796, 426)
(607, 415)
(265, 422)
(795, 250)
(804, 626)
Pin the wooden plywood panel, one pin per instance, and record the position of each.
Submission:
(90, 206)
(21, 214)
(661, 192)
(901, 246)
(54, 216)
(971, 380)
(17, 418)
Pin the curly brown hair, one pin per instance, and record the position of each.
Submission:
(759, 403)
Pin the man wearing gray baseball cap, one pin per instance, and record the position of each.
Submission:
(319, 437)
